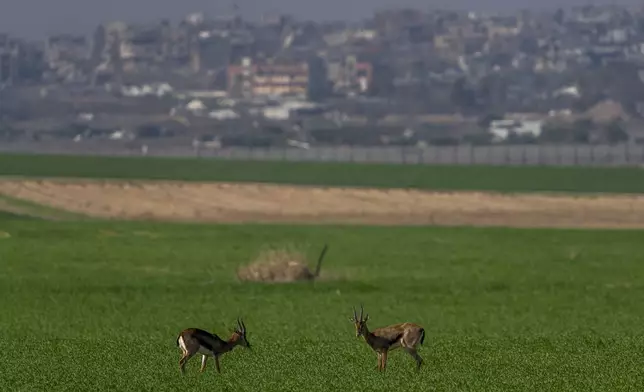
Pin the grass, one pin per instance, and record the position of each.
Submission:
(492, 178)
(14, 207)
(95, 306)
(13, 215)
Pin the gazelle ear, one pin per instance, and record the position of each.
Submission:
(366, 317)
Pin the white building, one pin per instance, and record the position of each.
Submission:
(501, 129)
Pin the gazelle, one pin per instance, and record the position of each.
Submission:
(194, 340)
(382, 340)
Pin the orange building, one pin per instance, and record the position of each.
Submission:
(249, 80)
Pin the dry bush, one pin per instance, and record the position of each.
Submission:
(287, 264)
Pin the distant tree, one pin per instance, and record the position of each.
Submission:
(581, 129)
(501, 59)
(485, 121)
(615, 132)
(559, 16)
(444, 141)
(317, 86)
(492, 93)
(578, 132)
(98, 45)
(382, 84)
(514, 138)
(555, 133)
(481, 138)
(462, 95)
(617, 80)
(529, 45)
(581, 136)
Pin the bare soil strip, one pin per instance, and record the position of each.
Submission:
(231, 202)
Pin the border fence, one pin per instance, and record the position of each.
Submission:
(551, 155)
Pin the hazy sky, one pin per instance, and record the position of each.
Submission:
(35, 18)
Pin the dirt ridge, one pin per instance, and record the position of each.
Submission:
(246, 202)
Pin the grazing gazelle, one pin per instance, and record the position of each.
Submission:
(382, 340)
(194, 340)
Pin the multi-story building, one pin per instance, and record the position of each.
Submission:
(8, 58)
(349, 75)
(67, 55)
(284, 78)
(66, 48)
(20, 61)
(138, 48)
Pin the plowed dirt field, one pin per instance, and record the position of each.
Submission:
(233, 202)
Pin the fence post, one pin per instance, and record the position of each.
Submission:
(576, 155)
(557, 151)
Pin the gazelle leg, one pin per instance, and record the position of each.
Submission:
(182, 362)
(384, 360)
(414, 354)
(217, 364)
(204, 359)
(379, 361)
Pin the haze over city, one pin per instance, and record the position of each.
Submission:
(81, 16)
(201, 78)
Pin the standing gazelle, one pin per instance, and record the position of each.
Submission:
(194, 340)
(382, 340)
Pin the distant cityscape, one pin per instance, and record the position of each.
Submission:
(401, 77)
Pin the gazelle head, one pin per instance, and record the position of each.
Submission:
(359, 322)
(240, 334)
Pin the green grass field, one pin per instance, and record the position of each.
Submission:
(494, 178)
(95, 306)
